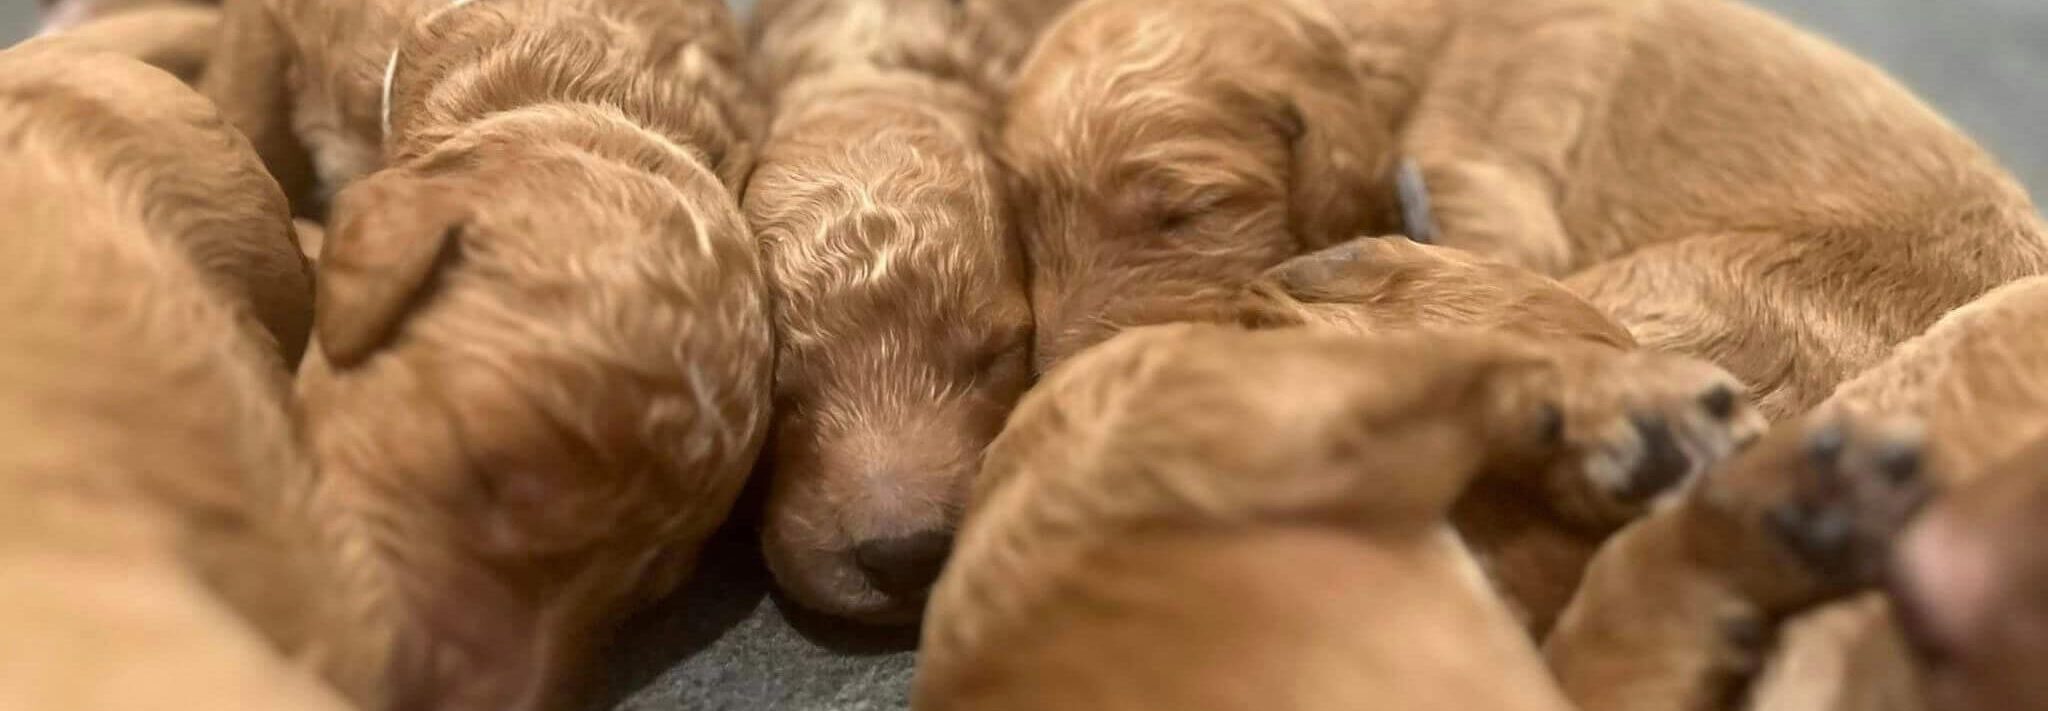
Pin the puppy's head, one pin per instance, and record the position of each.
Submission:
(1168, 153)
(540, 379)
(903, 339)
(1969, 582)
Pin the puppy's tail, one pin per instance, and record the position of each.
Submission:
(175, 37)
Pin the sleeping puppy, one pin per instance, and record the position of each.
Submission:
(1710, 164)
(1166, 154)
(225, 216)
(326, 91)
(541, 374)
(1975, 379)
(1160, 527)
(150, 289)
(1532, 534)
(899, 303)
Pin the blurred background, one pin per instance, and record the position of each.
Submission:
(1982, 62)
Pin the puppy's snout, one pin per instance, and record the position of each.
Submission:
(905, 566)
(1663, 462)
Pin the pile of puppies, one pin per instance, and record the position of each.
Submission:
(385, 354)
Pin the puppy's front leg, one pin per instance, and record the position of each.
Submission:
(1676, 611)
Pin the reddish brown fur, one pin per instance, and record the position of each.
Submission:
(901, 322)
(150, 552)
(541, 375)
(1968, 574)
(1534, 533)
(1711, 165)
(1975, 379)
(1160, 527)
(1168, 153)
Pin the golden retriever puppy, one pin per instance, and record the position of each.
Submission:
(1533, 534)
(1710, 167)
(541, 372)
(330, 91)
(1709, 163)
(1166, 154)
(902, 328)
(1159, 526)
(148, 281)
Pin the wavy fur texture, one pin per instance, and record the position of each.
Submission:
(901, 322)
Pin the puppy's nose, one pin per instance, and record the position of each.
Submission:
(1662, 463)
(906, 566)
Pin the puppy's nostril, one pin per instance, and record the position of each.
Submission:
(904, 567)
(1663, 463)
(1719, 402)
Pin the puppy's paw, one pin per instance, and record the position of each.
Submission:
(1812, 510)
(1864, 478)
(1641, 429)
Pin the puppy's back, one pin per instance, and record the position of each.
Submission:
(125, 142)
(145, 448)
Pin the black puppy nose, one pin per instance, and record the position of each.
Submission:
(905, 566)
(1663, 463)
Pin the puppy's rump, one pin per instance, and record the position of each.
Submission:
(151, 552)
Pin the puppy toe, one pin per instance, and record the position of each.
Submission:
(1653, 428)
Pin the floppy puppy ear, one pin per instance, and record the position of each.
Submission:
(390, 239)
(1341, 151)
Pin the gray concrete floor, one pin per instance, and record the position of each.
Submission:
(726, 642)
